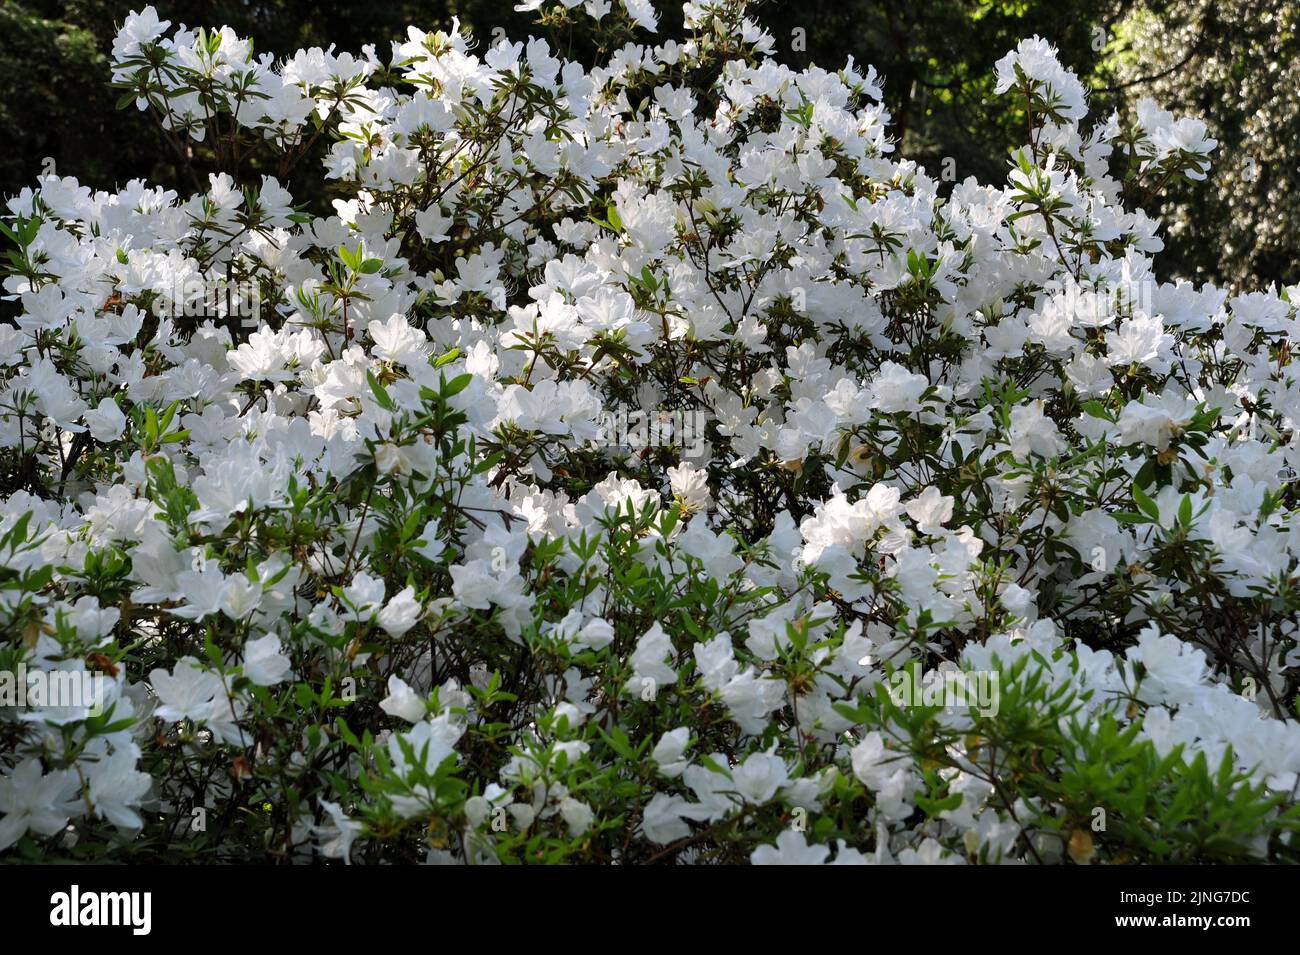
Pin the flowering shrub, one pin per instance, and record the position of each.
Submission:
(931, 530)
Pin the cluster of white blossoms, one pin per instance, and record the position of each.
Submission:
(364, 578)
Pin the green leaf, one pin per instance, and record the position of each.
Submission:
(1145, 504)
(456, 385)
(380, 392)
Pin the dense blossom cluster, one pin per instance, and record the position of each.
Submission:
(361, 573)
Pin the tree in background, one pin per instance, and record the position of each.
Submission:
(938, 62)
(56, 114)
(1234, 63)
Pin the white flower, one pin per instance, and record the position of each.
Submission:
(669, 752)
(138, 29)
(240, 596)
(264, 664)
(690, 485)
(363, 596)
(429, 746)
(1173, 671)
(114, 786)
(664, 819)
(596, 634)
(643, 13)
(791, 849)
(896, 389)
(1155, 421)
(872, 762)
(203, 590)
(32, 799)
(395, 340)
(275, 355)
(577, 815)
(401, 612)
(106, 423)
(759, 777)
(433, 546)
(187, 692)
(403, 702)
(1167, 136)
(1139, 341)
(1033, 432)
(473, 585)
(1036, 59)
(716, 661)
(336, 838)
(929, 853)
(649, 662)
(432, 224)
(392, 459)
(931, 510)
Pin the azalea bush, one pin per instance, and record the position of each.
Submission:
(638, 462)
